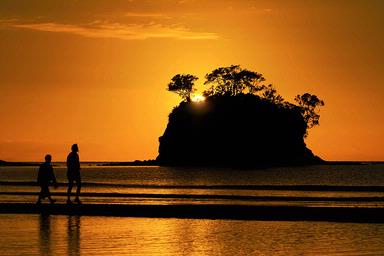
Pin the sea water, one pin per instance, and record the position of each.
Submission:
(29, 234)
(353, 185)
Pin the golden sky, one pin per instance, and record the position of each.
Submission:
(94, 72)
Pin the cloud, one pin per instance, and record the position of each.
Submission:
(118, 30)
(146, 15)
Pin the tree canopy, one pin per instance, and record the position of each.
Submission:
(234, 80)
(182, 84)
(270, 93)
(309, 105)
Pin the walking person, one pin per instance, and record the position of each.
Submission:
(73, 174)
(46, 177)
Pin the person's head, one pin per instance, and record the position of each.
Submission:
(75, 148)
(48, 158)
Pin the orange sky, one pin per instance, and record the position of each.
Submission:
(94, 72)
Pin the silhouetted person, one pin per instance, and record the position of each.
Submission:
(45, 178)
(73, 173)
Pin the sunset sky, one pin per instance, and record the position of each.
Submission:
(95, 72)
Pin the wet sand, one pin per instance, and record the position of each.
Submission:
(205, 211)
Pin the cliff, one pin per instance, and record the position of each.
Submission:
(243, 130)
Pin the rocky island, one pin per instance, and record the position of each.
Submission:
(239, 121)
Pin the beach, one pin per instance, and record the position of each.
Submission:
(337, 209)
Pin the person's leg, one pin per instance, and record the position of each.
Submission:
(78, 189)
(69, 191)
(49, 196)
(40, 196)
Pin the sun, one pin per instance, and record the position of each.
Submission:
(198, 98)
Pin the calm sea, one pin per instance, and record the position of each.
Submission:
(349, 186)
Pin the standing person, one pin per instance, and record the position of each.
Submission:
(45, 177)
(73, 173)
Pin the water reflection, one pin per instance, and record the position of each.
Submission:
(45, 234)
(73, 235)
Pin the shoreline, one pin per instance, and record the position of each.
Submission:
(207, 211)
(149, 163)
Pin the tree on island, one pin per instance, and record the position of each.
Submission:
(232, 81)
(309, 105)
(270, 93)
(242, 122)
(183, 86)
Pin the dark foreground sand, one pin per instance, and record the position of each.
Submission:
(207, 211)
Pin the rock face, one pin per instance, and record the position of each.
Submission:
(242, 130)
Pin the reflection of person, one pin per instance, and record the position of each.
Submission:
(73, 234)
(73, 173)
(46, 177)
(45, 235)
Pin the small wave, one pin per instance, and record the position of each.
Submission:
(217, 187)
(212, 197)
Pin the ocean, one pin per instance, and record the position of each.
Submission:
(333, 185)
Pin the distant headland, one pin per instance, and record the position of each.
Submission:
(238, 121)
(5, 163)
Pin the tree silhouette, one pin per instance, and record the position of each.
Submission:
(232, 81)
(309, 104)
(182, 84)
(236, 81)
(270, 93)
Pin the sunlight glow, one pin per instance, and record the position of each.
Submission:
(198, 98)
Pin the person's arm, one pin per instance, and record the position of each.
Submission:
(78, 162)
(68, 161)
(39, 176)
